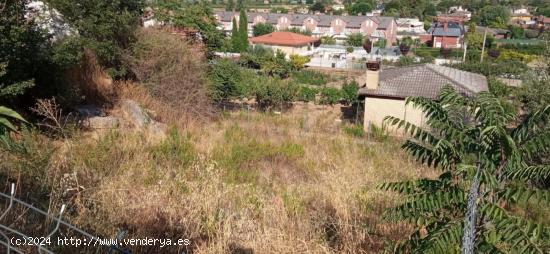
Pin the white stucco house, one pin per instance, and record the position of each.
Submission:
(385, 91)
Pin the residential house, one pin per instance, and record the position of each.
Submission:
(458, 11)
(337, 26)
(446, 34)
(542, 22)
(385, 91)
(289, 43)
(410, 25)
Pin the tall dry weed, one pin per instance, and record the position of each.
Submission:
(173, 71)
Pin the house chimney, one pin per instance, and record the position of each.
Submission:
(445, 26)
(373, 74)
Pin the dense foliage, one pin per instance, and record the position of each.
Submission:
(105, 26)
(23, 50)
(486, 176)
(355, 39)
(262, 28)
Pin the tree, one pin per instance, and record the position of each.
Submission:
(243, 32)
(486, 174)
(405, 45)
(317, 7)
(262, 28)
(235, 42)
(240, 5)
(494, 16)
(350, 92)
(105, 26)
(535, 90)
(23, 50)
(330, 95)
(225, 77)
(355, 39)
(517, 32)
(360, 8)
(230, 5)
(200, 17)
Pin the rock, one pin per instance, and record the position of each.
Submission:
(156, 132)
(103, 122)
(135, 113)
(89, 111)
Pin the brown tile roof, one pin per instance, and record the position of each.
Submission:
(283, 39)
(425, 80)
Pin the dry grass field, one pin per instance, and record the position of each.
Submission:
(248, 182)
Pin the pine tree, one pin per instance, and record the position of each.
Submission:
(243, 32)
(235, 37)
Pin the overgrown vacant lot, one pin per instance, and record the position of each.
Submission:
(249, 180)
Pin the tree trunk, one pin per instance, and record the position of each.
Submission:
(468, 239)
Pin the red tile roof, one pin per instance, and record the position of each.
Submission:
(283, 39)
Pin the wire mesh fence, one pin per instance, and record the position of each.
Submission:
(27, 229)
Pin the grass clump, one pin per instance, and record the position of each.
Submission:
(355, 130)
(241, 156)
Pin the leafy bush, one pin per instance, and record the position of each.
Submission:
(355, 130)
(406, 61)
(298, 62)
(309, 77)
(274, 92)
(307, 94)
(225, 76)
(350, 92)
(355, 39)
(531, 34)
(328, 40)
(381, 43)
(330, 95)
(262, 28)
(105, 26)
(508, 55)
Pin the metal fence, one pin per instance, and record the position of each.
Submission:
(11, 229)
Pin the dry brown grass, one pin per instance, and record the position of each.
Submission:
(90, 80)
(250, 181)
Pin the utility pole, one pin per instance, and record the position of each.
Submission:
(465, 49)
(483, 47)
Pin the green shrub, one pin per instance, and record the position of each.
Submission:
(328, 40)
(274, 92)
(308, 77)
(406, 61)
(262, 28)
(355, 130)
(175, 149)
(350, 92)
(330, 95)
(307, 94)
(225, 77)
